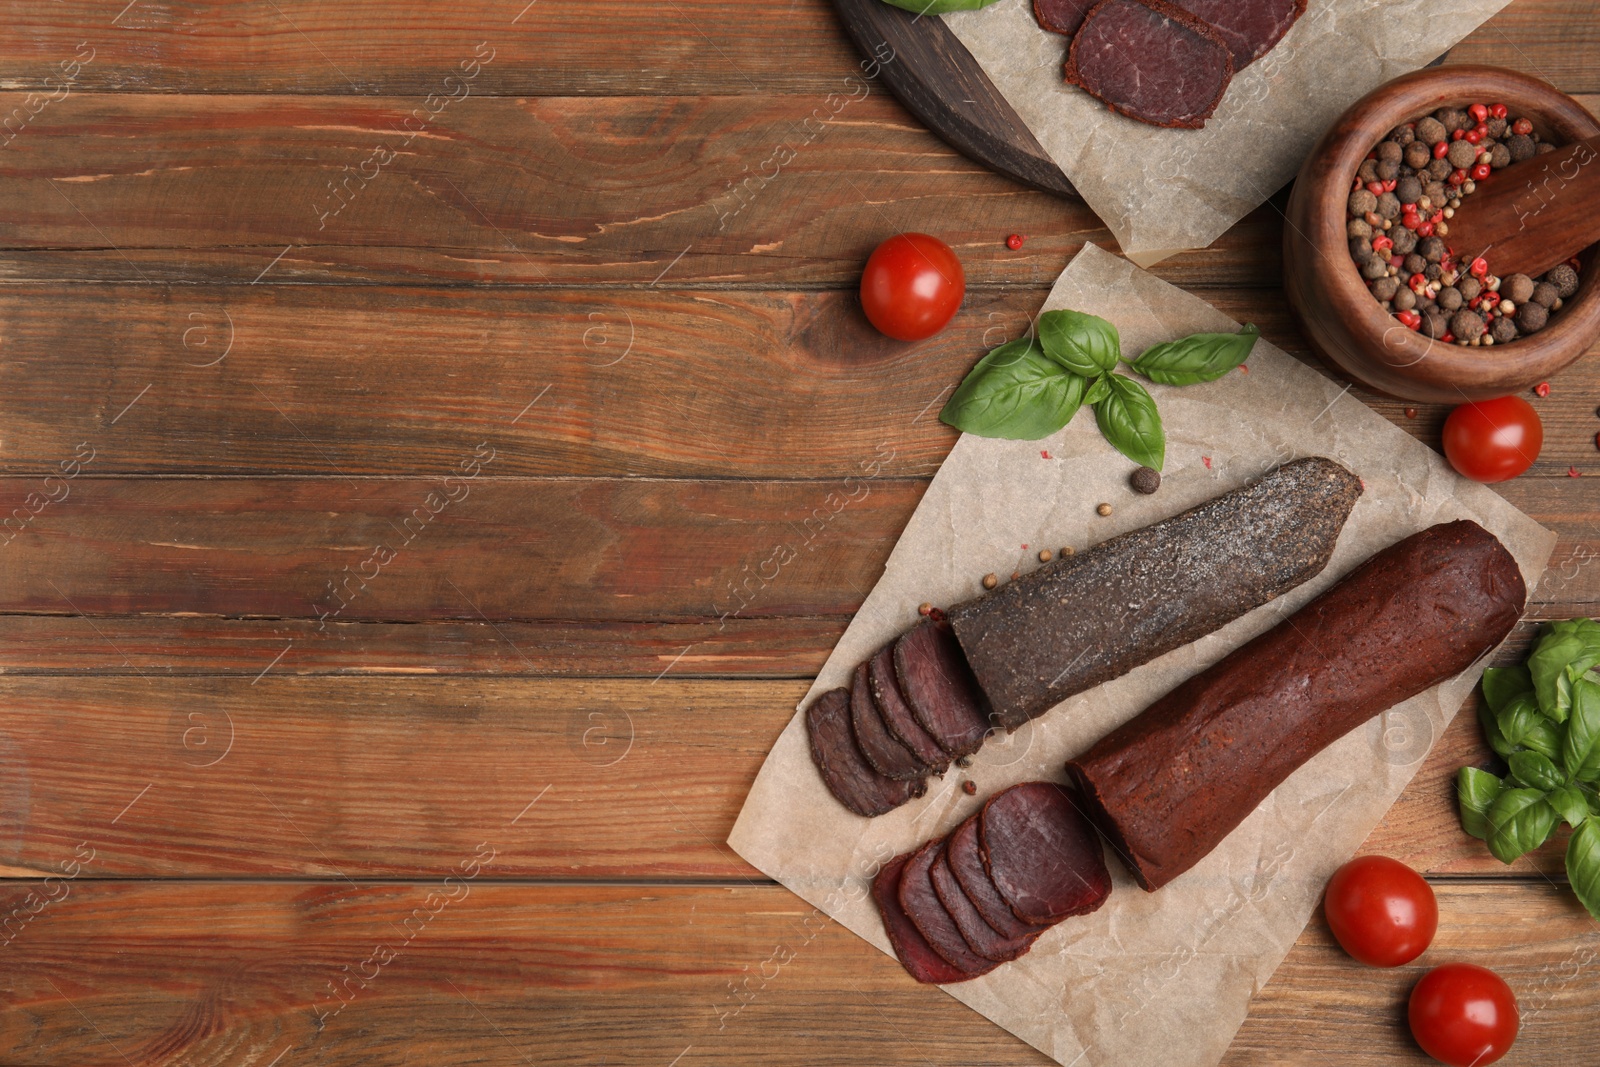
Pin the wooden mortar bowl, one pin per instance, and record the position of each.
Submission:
(1344, 323)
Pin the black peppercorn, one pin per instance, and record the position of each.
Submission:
(1146, 479)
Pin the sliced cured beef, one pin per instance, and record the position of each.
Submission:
(938, 685)
(979, 935)
(1171, 783)
(1150, 61)
(897, 714)
(966, 863)
(1061, 16)
(845, 771)
(1090, 617)
(1042, 854)
(916, 955)
(1250, 28)
(883, 752)
(922, 906)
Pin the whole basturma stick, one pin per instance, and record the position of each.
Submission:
(1167, 786)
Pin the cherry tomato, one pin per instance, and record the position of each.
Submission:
(1381, 911)
(1463, 1015)
(912, 286)
(1492, 440)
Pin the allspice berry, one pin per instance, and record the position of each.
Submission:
(1388, 205)
(1516, 288)
(1389, 152)
(1545, 293)
(1145, 480)
(1503, 330)
(1358, 228)
(1431, 131)
(1463, 154)
(1383, 289)
(1377, 267)
(1434, 324)
(1404, 299)
(1469, 287)
(1564, 278)
(1404, 240)
(1402, 135)
(1360, 249)
(1432, 249)
(1531, 317)
(990, 581)
(1449, 298)
(1362, 201)
(1466, 325)
(1499, 156)
(1103, 509)
(1417, 156)
(1414, 263)
(1521, 147)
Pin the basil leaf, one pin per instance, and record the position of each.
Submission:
(1519, 718)
(1573, 644)
(1200, 357)
(1544, 738)
(938, 7)
(1016, 393)
(1129, 420)
(1583, 865)
(1536, 771)
(1581, 752)
(1569, 804)
(1500, 684)
(1476, 791)
(1084, 344)
(1520, 821)
(1493, 734)
(1099, 390)
(1593, 798)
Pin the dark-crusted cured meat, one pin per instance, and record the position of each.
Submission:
(1168, 785)
(966, 863)
(1090, 617)
(916, 955)
(979, 935)
(923, 907)
(1042, 853)
(844, 770)
(1061, 16)
(1250, 28)
(1150, 61)
(897, 714)
(883, 752)
(938, 685)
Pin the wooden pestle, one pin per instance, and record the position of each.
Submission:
(1530, 216)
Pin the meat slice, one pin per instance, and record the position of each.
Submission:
(916, 955)
(939, 687)
(922, 906)
(966, 863)
(1042, 854)
(979, 935)
(897, 714)
(1061, 16)
(886, 755)
(1150, 61)
(1250, 28)
(844, 770)
(1168, 785)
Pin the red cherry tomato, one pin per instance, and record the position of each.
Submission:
(1492, 440)
(912, 286)
(1381, 911)
(1463, 1015)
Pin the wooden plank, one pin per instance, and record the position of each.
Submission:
(357, 381)
(570, 549)
(395, 776)
(502, 974)
(688, 46)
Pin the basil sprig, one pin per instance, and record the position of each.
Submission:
(1025, 390)
(1543, 719)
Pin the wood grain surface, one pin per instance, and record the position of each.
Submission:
(620, 261)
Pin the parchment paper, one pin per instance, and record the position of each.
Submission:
(1162, 191)
(1151, 978)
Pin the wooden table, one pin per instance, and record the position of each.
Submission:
(394, 397)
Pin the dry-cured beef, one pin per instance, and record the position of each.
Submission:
(846, 772)
(882, 750)
(1150, 61)
(1042, 854)
(979, 935)
(1167, 786)
(966, 863)
(1095, 615)
(1250, 28)
(936, 682)
(897, 714)
(1061, 16)
(916, 955)
(922, 906)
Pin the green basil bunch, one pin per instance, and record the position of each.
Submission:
(1028, 389)
(1543, 719)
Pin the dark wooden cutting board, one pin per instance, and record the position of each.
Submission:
(939, 82)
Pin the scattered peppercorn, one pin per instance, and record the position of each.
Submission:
(1572, 472)
(924, 608)
(1565, 280)
(969, 787)
(1542, 389)
(1411, 413)
(1068, 551)
(1144, 480)
(990, 581)
(1103, 509)
(1015, 575)
(1014, 242)
(1045, 555)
